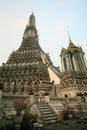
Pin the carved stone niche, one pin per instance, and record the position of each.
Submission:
(6, 86)
(12, 87)
(26, 87)
(20, 87)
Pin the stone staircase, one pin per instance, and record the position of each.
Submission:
(49, 115)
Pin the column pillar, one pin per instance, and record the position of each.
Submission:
(67, 63)
(82, 61)
(75, 62)
(62, 64)
(71, 61)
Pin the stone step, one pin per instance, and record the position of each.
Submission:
(50, 118)
(50, 121)
(46, 112)
(49, 114)
(42, 107)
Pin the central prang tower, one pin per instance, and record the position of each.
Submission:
(27, 68)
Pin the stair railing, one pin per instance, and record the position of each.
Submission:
(54, 109)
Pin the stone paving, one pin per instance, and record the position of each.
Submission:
(68, 125)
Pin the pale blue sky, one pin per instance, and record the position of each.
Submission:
(53, 19)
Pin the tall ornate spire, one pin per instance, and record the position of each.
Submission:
(70, 42)
(32, 20)
(31, 30)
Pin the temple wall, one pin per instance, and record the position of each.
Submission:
(53, 76)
